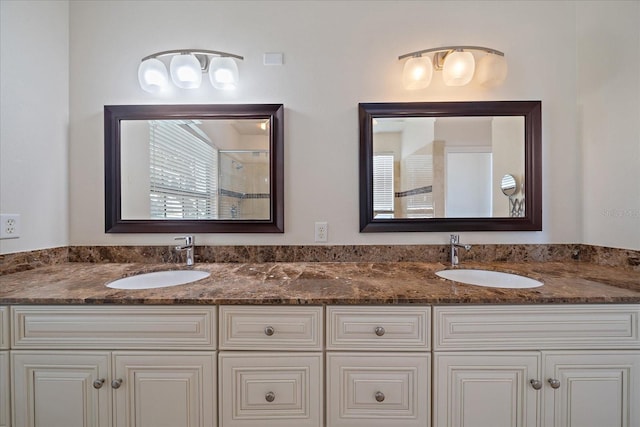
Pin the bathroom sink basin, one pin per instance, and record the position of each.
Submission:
(158, 279)
(490, 279)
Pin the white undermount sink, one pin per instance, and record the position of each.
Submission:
(158, 279)
(489, 279)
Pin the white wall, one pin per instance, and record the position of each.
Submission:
(336, 55)
(34, 117)
(609, 121)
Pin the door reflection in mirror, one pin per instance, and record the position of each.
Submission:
(447, 167)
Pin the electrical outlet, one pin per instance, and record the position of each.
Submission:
(9, 226)
(322, 231)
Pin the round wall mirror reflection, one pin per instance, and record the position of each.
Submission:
(508, 185)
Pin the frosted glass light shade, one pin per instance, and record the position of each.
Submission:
(492, 70)
(458, 68)
(186, 71)
(223, 73)
(417, 73)
(152, 75)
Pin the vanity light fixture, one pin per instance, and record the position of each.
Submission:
(459, 65)
(186, 68)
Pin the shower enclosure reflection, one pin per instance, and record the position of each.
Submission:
(244, 184)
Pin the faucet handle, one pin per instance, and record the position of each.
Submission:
(188, 240)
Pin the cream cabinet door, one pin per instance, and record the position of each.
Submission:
(5, 403)
(164, 389)
(593, 389)
(486, 389)
(56, 389)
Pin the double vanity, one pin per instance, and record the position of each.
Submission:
(320, 344)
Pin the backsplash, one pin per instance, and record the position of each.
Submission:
(21, 261)
(347, 253)
(623, 258)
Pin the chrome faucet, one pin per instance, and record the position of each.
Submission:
(455, 245)
(188, 246)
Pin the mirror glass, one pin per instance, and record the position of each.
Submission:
(441, 166)
(194, 168)
(444, 167)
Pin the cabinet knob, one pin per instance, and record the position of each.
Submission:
(270, 397)
(116, 383)
(97, 384)
(554, 383)
(269, 330)
(379, 396)
(536, 384)
(379, 331)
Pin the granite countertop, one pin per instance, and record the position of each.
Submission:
(321, 283)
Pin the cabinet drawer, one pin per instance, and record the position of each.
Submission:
(378, 389)
(270, 389)
(376, 328)
(4, 327)
(536, 327)
(270, 328)
(109, 327)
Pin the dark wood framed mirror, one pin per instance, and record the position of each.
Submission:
(438, 166)
(194, 168)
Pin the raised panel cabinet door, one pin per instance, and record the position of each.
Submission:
(60, 389)
(486, 389)
(5, 414)
(378, 389)
(277, 389)
(164, 389)
(592, 389)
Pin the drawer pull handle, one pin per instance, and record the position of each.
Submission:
(97, 384)
(269, 330)
(270, 397)
(536, 384)
(379, 396)
(116, 383)
(554, 383)
(379, 331)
